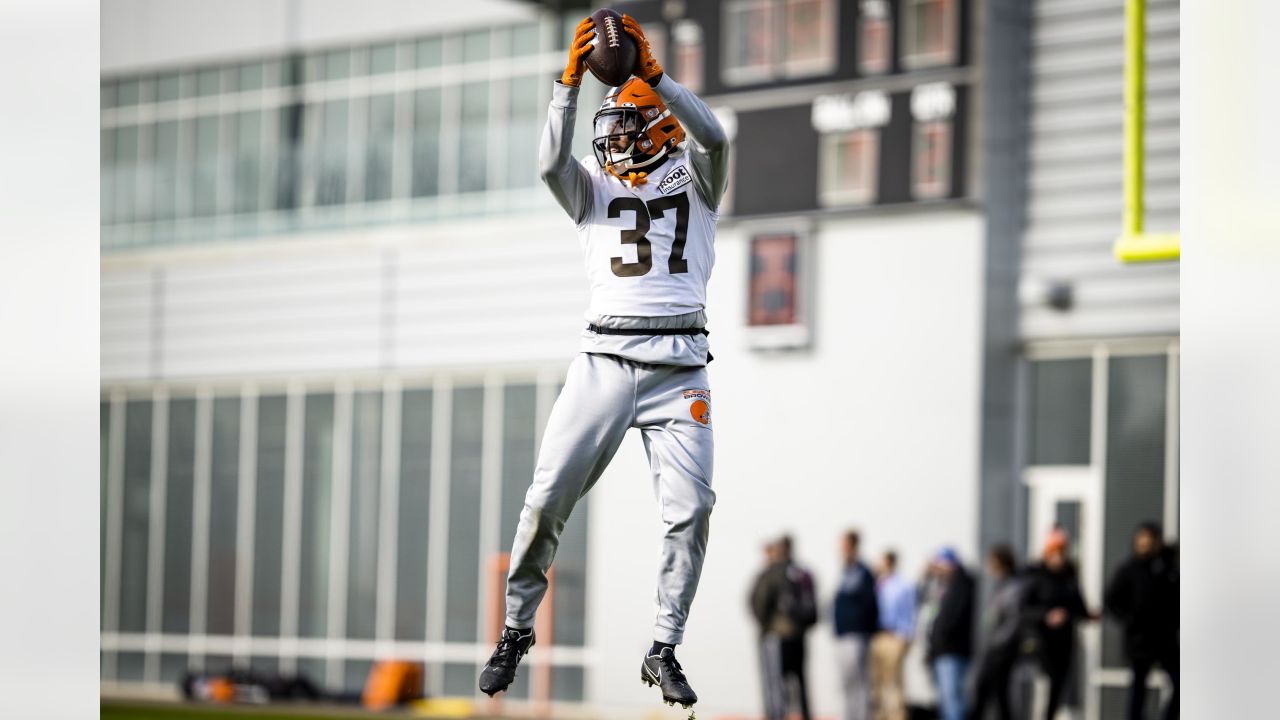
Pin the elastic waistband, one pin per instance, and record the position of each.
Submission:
(646, 331)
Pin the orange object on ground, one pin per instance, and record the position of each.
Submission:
(392, 682)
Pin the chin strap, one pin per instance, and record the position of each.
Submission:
(634, 179)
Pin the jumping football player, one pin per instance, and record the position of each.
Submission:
(645, 208)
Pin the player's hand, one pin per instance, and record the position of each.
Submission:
(647, 67)
(583, 36)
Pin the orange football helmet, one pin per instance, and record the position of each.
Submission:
(634, 130)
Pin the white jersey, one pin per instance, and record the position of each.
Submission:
(648, 250)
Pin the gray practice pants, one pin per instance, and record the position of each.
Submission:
(603, 397)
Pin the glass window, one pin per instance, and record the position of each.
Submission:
(474, 138)
(128, 92)
(414, 508)
(809, 29)
(130, 666)
(173, 666)
(208, 82)
(331, 170)
(426, 142)
(571, 580)
(380, 147)
(875, 37)
(287, 157)
(931, 169)
(108, 95)
(525, 39)
(337, 65)
(773, 291)
(205, 180)
(567, 683)
(145, 176)
(429, 52)
(268, 509)
(854, 161)
(251, 76)
(929, 33)
(124, 188)
(1061, 406)
(317, 484)
(687, 37)
(178, 497)
(164, 195)
(248, 162)
(382, 59)
(107, 172)
(751, 46)
(461, 606)
(355, 675)
(167, 87)
(519, 451)
(224, 481)
(475, 46)
(362, 528)
(1136, 418)
(522, 132)
(136, 517)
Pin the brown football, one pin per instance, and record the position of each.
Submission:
(613, 55)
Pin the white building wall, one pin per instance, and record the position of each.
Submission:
(876, 428)
(479, 293)
(140, 34)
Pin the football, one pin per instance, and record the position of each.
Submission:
(613, 55)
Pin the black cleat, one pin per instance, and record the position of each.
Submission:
(664, 671)
(501, 668)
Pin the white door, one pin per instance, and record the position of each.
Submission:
(1069, 497)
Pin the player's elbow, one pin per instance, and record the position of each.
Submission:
(716, 140)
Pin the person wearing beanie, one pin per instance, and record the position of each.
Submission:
(950, 635)
(1053, 606)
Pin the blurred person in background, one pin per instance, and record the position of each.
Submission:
(950, 634)
(857, 618)
(1053, 605)
(784, 604)
(1001, 634)
(1143, 596)
(897, 605)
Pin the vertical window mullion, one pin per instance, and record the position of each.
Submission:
(339, 517)
(200, 508)
(246, 497)
(388, 515)
(291, 531)
(438, 541)
(490, 495)
(156, 548)
(115, 523)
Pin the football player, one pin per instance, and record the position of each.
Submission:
(645, 207)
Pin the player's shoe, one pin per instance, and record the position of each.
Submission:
(501, 668)
(664, 671)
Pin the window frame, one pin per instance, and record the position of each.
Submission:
(831, 192)
(821, 64)
(798, 334)
(777, 65)
(687, 37)
(914, 57)
(885, 65)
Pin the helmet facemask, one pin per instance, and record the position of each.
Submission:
(618, 133)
